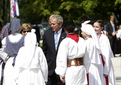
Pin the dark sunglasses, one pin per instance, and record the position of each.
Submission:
(26, 31)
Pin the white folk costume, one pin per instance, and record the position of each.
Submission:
(105, 33)
(31, 66)
(107, 55)
(92, 57)
(12, 40)
(3, 55)
(118, 34)
(118, 42)
(70, 48)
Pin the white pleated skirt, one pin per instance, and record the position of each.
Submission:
(76, 75)
(94, 75)
(8, 73)
(30, 77)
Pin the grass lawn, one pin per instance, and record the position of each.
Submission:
(40, 44)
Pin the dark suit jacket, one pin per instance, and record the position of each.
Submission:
(109, 29)
(37, 32)
(49, 48)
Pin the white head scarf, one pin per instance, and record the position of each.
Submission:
(89, 30)
(30, 42)
(25, 54)
(86, 22)
(30, 39)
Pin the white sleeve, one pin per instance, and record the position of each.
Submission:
(44, 66)
(118, 34)
(3, 45)
(106, 53)
(17, 65)
(3, 55)
(61, 61)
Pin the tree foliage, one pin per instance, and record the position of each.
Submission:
(4, 11)
(39, 10)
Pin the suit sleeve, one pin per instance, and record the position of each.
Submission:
(108, 29)
(106, 50)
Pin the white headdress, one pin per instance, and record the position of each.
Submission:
(89, 30)
(30, 47)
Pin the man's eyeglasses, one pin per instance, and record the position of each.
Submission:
(26, 31)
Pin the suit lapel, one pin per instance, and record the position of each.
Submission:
(111, 27)
(52, 41)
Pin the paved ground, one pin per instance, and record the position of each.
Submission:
(117, 69)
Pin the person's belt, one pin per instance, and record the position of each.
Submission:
(75, 62)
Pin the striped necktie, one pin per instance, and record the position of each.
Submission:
(56, 40)
(113, 27)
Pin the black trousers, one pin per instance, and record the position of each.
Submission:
(54, 79)
(113, 45)
(3, 66)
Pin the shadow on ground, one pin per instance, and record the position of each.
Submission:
(118, 79)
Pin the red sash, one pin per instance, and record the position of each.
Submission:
(87, 78)
(102, 60)
(74, 37)
(106, 78)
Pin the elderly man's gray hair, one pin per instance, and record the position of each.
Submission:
(59, 18)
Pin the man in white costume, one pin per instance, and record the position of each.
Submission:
(31, 66)
(106, 53)
(69, 62)
(92, 57)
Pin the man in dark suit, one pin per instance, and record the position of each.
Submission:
(111, 29)
(51, 41)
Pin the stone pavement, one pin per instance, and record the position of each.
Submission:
(117, 69)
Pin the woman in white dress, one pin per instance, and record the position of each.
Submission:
(107, 54)
(91, 58)
(11, 44)
(31, 66)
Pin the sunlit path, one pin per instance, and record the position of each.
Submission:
(117, 69)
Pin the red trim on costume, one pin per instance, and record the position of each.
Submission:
(87, 78)
(100, 35)
(88, 37)
(102, 60)
(74, 37)
(106, 78)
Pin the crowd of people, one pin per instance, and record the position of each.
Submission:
(65, 57)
